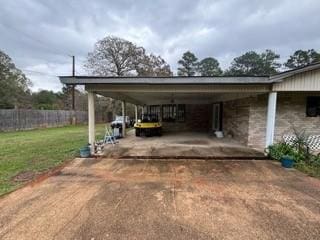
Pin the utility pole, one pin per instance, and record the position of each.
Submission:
(73, 86)
(74, 119)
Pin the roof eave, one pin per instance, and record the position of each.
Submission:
(280, 76)
(81, 80)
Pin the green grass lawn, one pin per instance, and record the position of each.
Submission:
(312, 170)
(35, 151)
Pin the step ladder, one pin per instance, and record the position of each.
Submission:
(109, 137)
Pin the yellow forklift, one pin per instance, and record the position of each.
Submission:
(148, 126)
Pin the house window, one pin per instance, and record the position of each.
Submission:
(173, 113)
(313, 106)
(181, 109)
(154, 110)
(169, 113)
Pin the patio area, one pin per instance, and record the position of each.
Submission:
(181, 145)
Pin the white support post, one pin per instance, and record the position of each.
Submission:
(124, 118)
(271, 118)
(136, 113)
(91, 120)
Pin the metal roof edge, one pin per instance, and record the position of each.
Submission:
(280, 76)
(83, 80)
(173, 77)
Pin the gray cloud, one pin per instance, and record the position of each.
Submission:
(40, 35)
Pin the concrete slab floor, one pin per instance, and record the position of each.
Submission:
(113, 199)
(182, 144)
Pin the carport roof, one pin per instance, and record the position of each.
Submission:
(194, 80)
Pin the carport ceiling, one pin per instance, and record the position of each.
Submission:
(154, 98)
(165, 90)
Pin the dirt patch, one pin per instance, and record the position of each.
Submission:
(90, 161)
(24, 176)
(115, 151)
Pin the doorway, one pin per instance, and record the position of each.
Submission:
(217, 117)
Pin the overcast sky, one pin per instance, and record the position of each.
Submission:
(39, 35)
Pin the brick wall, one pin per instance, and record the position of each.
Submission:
(236, 119)
(257, 121)
(290, 114)
(197, 118)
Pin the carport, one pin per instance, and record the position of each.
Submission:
(200, 97)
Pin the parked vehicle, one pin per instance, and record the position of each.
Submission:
(148, 126)
(117, 123)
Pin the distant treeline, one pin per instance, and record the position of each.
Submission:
(113, 56)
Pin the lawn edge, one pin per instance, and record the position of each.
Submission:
(41, 177)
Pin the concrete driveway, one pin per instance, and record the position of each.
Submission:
(112, 199)
(181, 145)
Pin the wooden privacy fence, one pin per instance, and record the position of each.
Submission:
(20, 119)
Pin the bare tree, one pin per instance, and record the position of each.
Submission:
(153, 66)
(113, 56)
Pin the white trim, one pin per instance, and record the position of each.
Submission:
(123, 118)
(286, 74)
(174, 88)
(271, 118)
(136, 113)
(91, 120)
(84, 80)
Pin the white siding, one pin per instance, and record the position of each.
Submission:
(307, 81)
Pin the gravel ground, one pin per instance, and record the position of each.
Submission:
(112, 199)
